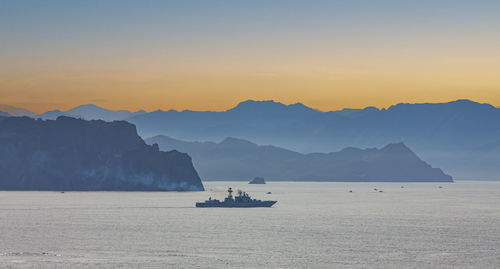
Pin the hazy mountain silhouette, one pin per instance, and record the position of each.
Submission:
(238, 159)
(4, 114)
(459, 136)
(91, 112)
(16, 111)
(253, 120)
(75, 154)
(446, 134)
(51, 115)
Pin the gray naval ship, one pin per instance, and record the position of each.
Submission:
(241, 200)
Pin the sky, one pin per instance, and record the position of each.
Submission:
(210, 55)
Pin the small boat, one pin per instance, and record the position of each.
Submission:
(350, 190)
(268, 192)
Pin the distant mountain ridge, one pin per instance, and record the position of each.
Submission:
(459, 136)
(450, 135)
(238, 159)
(91, 112)
(270, 122)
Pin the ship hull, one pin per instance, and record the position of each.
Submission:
(224, 204)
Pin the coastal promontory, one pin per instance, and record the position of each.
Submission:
(239, 159)
(76, 154)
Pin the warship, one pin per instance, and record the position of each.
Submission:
(241, 200)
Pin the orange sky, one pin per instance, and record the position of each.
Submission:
(327, 84)
(174, 55)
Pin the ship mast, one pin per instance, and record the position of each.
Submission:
(230, 191)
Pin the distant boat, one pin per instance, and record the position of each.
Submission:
(380, 191)
(350, 190)
(242, 200)
(257, 180)
(268, 192)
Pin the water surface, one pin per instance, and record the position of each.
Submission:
(313, 225)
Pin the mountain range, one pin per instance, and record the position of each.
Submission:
(462, 137)
(238, 159)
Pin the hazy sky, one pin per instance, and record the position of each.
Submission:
(209, 55)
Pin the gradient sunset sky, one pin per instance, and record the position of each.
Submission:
(210, 55)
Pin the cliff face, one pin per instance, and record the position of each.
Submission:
(73, 154)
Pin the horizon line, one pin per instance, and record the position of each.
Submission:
(248, 100)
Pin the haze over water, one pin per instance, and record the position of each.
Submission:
(313, 225)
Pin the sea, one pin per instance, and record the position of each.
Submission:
(313, 225)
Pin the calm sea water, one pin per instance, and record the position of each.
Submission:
(313, 225)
